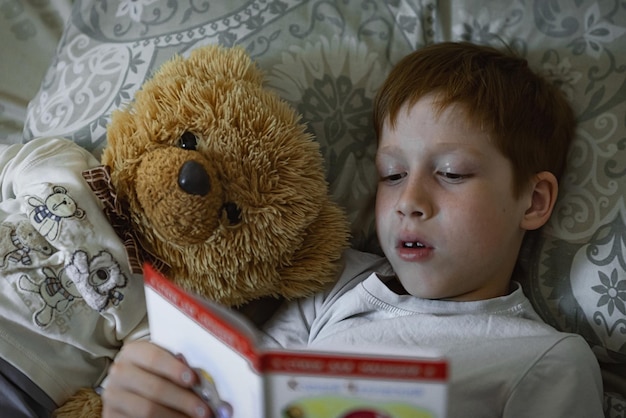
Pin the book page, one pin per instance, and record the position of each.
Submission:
(223, 357)
(323, 384)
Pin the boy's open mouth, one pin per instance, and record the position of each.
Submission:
(413, 244)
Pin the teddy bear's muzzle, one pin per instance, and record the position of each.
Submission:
(180, 195)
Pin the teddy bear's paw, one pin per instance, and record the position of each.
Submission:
(85, 403)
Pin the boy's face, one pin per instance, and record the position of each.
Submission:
(445, 212)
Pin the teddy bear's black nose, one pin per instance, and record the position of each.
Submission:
(194, 179)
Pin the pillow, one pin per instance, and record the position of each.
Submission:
(30, 32)
(327, 58)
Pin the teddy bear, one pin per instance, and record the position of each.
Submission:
(18, 241)
(207, 175)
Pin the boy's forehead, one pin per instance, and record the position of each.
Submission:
(444, 129)
(437, 109)
(429, 109)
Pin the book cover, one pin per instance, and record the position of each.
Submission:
(242, 380)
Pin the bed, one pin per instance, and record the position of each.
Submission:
(66, 65)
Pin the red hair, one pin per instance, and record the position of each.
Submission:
(526, 117)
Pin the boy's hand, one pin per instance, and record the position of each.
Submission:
(148, 381)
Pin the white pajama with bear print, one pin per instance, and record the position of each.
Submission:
(68, 300)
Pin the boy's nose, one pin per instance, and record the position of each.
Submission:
(414, 200)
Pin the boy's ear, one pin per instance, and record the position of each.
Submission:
(545, 189)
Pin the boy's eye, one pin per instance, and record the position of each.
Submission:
(393, 177)
(453, 177)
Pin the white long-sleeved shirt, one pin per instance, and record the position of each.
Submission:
(68, 300)
(504, 360)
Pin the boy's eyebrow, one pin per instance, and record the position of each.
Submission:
(388, 150)
(453, 147)
(442, 148)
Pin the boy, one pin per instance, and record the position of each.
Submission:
(471, 145)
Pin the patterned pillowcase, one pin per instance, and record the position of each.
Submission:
(29, 33)
(328, 57)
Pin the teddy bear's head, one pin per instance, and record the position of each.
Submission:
(223, 183)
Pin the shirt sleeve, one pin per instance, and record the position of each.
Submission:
(564, 382)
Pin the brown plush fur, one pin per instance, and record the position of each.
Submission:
(265, 228)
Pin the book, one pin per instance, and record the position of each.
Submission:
(240, 379)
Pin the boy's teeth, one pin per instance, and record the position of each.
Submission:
(413, 244)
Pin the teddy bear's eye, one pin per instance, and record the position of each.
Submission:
(188, 141)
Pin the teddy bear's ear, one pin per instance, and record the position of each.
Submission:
(213, 62)
(121, 129)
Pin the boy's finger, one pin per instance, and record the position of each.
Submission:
(136, 392)
(158, 361)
